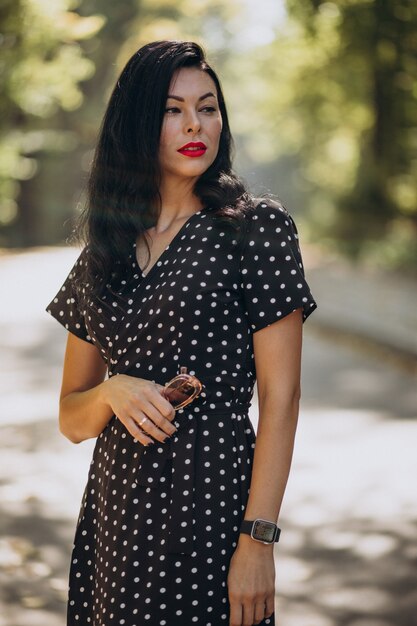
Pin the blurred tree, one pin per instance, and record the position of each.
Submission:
(333, 100)
(59, 187)
(374, 67)
(41, 66)
(385, 191)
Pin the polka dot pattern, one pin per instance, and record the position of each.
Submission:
(158, 525)
(272, 272)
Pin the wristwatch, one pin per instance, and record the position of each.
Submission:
(261, 530)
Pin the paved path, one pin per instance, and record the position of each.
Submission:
(348, 550)
(378, 307)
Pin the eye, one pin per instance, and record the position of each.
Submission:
(208, 109)
(172, 110)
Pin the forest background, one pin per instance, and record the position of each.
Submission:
(321, 97)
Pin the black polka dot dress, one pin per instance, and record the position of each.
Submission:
(158, 525)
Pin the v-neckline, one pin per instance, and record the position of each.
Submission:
(166, 249)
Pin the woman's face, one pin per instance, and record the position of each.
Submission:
(191, 127)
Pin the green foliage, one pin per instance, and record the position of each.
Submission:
(337, 91)
(41, 66)
(207, 22)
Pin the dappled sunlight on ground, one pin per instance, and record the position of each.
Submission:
(347, 555)
(41, 486)
(366, 573)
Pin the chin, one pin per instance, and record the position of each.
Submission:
(193, 167)
(196, 169)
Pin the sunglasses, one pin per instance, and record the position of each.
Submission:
(182, 389)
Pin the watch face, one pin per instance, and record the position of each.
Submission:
(264, 531)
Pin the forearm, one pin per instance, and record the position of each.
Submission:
(272, 458)
(84, 414)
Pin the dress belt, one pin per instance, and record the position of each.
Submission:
(180, 448)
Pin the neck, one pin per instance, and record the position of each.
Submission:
(178, 198)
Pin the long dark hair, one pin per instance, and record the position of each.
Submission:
(123, 187)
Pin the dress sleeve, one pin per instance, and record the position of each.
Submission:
(65, 305)
(272, 274)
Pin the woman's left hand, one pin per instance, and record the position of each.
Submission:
(251, 582)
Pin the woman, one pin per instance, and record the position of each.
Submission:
(181, 267)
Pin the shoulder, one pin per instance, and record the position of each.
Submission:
(81, 261)
(268, 213)
(267, 208)
(76, 280)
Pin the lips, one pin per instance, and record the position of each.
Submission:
(193, 149)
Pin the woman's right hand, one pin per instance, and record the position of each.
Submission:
(135, 399)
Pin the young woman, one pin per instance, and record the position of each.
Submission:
(182, 271)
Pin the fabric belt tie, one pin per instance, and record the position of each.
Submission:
(181, 449)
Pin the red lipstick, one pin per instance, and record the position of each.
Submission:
(193, 149)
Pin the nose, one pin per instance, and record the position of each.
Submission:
(192, 124)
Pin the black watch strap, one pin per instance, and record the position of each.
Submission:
(247, 525)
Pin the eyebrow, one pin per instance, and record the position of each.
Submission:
(206, 95)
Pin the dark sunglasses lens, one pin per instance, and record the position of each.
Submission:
(178, 392)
